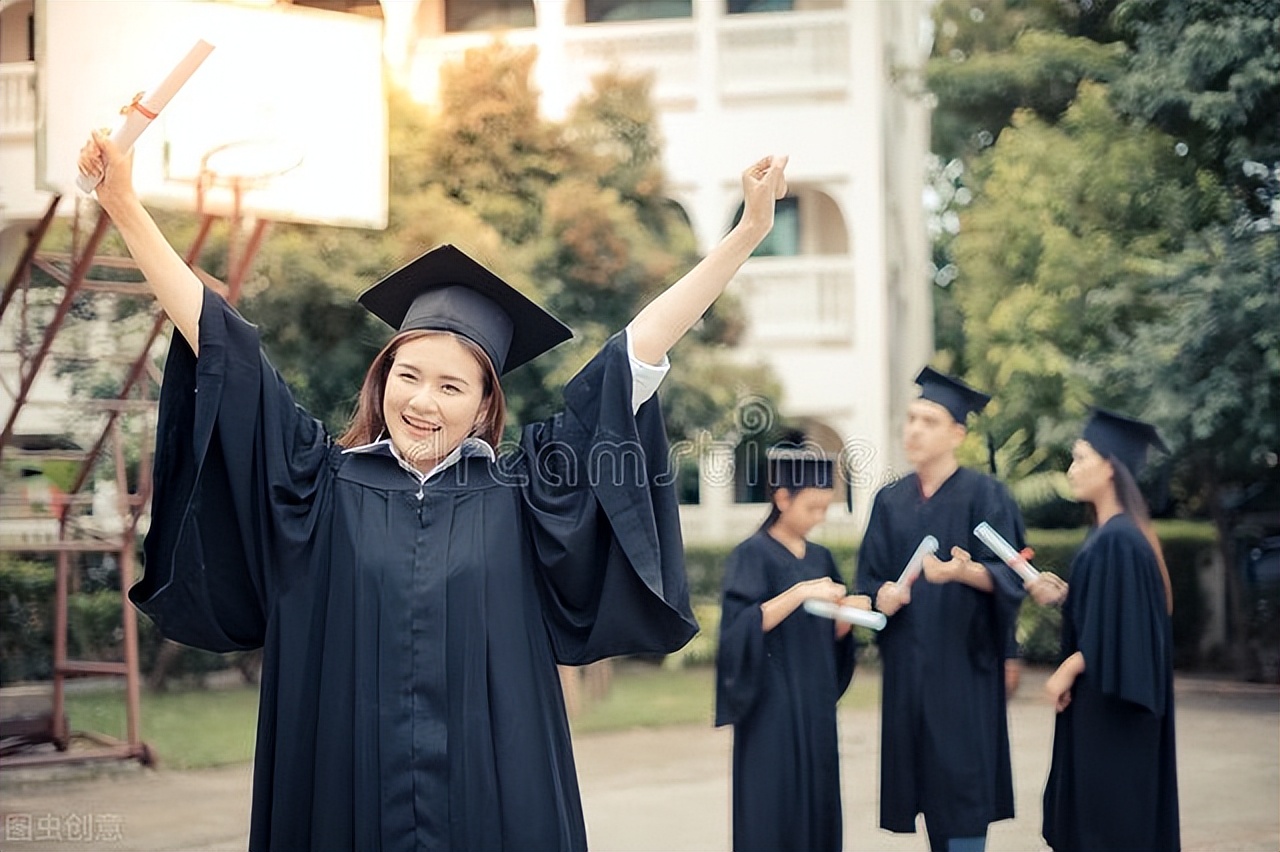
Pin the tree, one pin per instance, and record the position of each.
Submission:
(1121, 246)
(1058, 258)
(574, 214)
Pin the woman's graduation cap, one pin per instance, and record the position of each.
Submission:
(794, 469)
(1125, 438)
(445, 290)
(952, 394)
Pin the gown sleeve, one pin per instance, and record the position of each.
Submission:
(236, 472)
(602, 511)
(740, 653)
(1119, 618)
(874, 569)
(1001, 511)
(847, 646)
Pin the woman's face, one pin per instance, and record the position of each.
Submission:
(1090, 475)
(433, 399)
(801, 511)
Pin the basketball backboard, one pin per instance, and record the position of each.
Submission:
(291, 103)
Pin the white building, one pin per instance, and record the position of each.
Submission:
(841, 308)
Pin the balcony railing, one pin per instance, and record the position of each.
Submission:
(17, 98)
(667, 50)
(782, 54)
(790, 299)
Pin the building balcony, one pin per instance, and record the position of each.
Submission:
(801, 54)
(806, 299)
(17, 100)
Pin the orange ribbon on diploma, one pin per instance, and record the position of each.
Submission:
(144, 108)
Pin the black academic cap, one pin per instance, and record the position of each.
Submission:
(951, 393)
(1125, 438)
(795, 468)
(445, 290)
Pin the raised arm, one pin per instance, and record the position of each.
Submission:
(175, 286)
(662, 322)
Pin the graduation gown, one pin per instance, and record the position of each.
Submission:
(779, 691)
(409, 696)
(1113, 783)
(944, 736)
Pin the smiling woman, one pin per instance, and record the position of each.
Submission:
(413, 592)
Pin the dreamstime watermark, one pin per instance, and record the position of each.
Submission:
(558, 461)
(63, 828)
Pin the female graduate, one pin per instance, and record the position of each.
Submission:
(412, 592)
(1113, 783)
(780, 670)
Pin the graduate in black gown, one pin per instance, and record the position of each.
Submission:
(944, 738)
(781, 670)
(1113, 783)
(412, 592)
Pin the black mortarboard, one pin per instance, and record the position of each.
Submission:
(952, 394)
(794, 469)
(445, 290)
(1123, 437)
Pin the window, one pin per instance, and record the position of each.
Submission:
(744, 7)
(480, 15)
(784, 239)
(599, 11)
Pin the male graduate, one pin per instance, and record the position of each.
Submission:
(944, 748)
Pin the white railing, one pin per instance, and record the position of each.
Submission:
(792, 54)
(666, 50)
(805, 298)
(17, 98)
(802, 53)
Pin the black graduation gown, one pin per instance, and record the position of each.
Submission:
(779, 691)
(944, 736)
(409, 693)
(1113, 783)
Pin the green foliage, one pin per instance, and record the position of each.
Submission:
(1208, 73)
(1059, 259)
(994, 57)
(26, 619)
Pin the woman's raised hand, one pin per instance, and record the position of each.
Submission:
(102, 160)
(763, 183)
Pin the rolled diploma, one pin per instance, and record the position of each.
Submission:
(849, 614)
(1002, 548)
(927, 545)
(144, 109)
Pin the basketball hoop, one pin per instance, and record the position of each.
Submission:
(242, 166)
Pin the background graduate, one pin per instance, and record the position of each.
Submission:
(944, 741)
(1113, 783)
(413, 593)
(780, 670)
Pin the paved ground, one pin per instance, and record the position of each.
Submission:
(668, 789)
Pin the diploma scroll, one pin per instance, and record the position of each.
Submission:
(847, 614)
(1003, 549)
(145, 107)
(915, 564)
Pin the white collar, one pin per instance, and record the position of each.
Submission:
(471, 446)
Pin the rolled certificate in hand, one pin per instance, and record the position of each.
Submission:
(1003, 549)
(145, 107)
(847, 614)
(915, 564)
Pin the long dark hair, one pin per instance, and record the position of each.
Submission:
(367, 423)
(774, 512)
(1133, 504)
